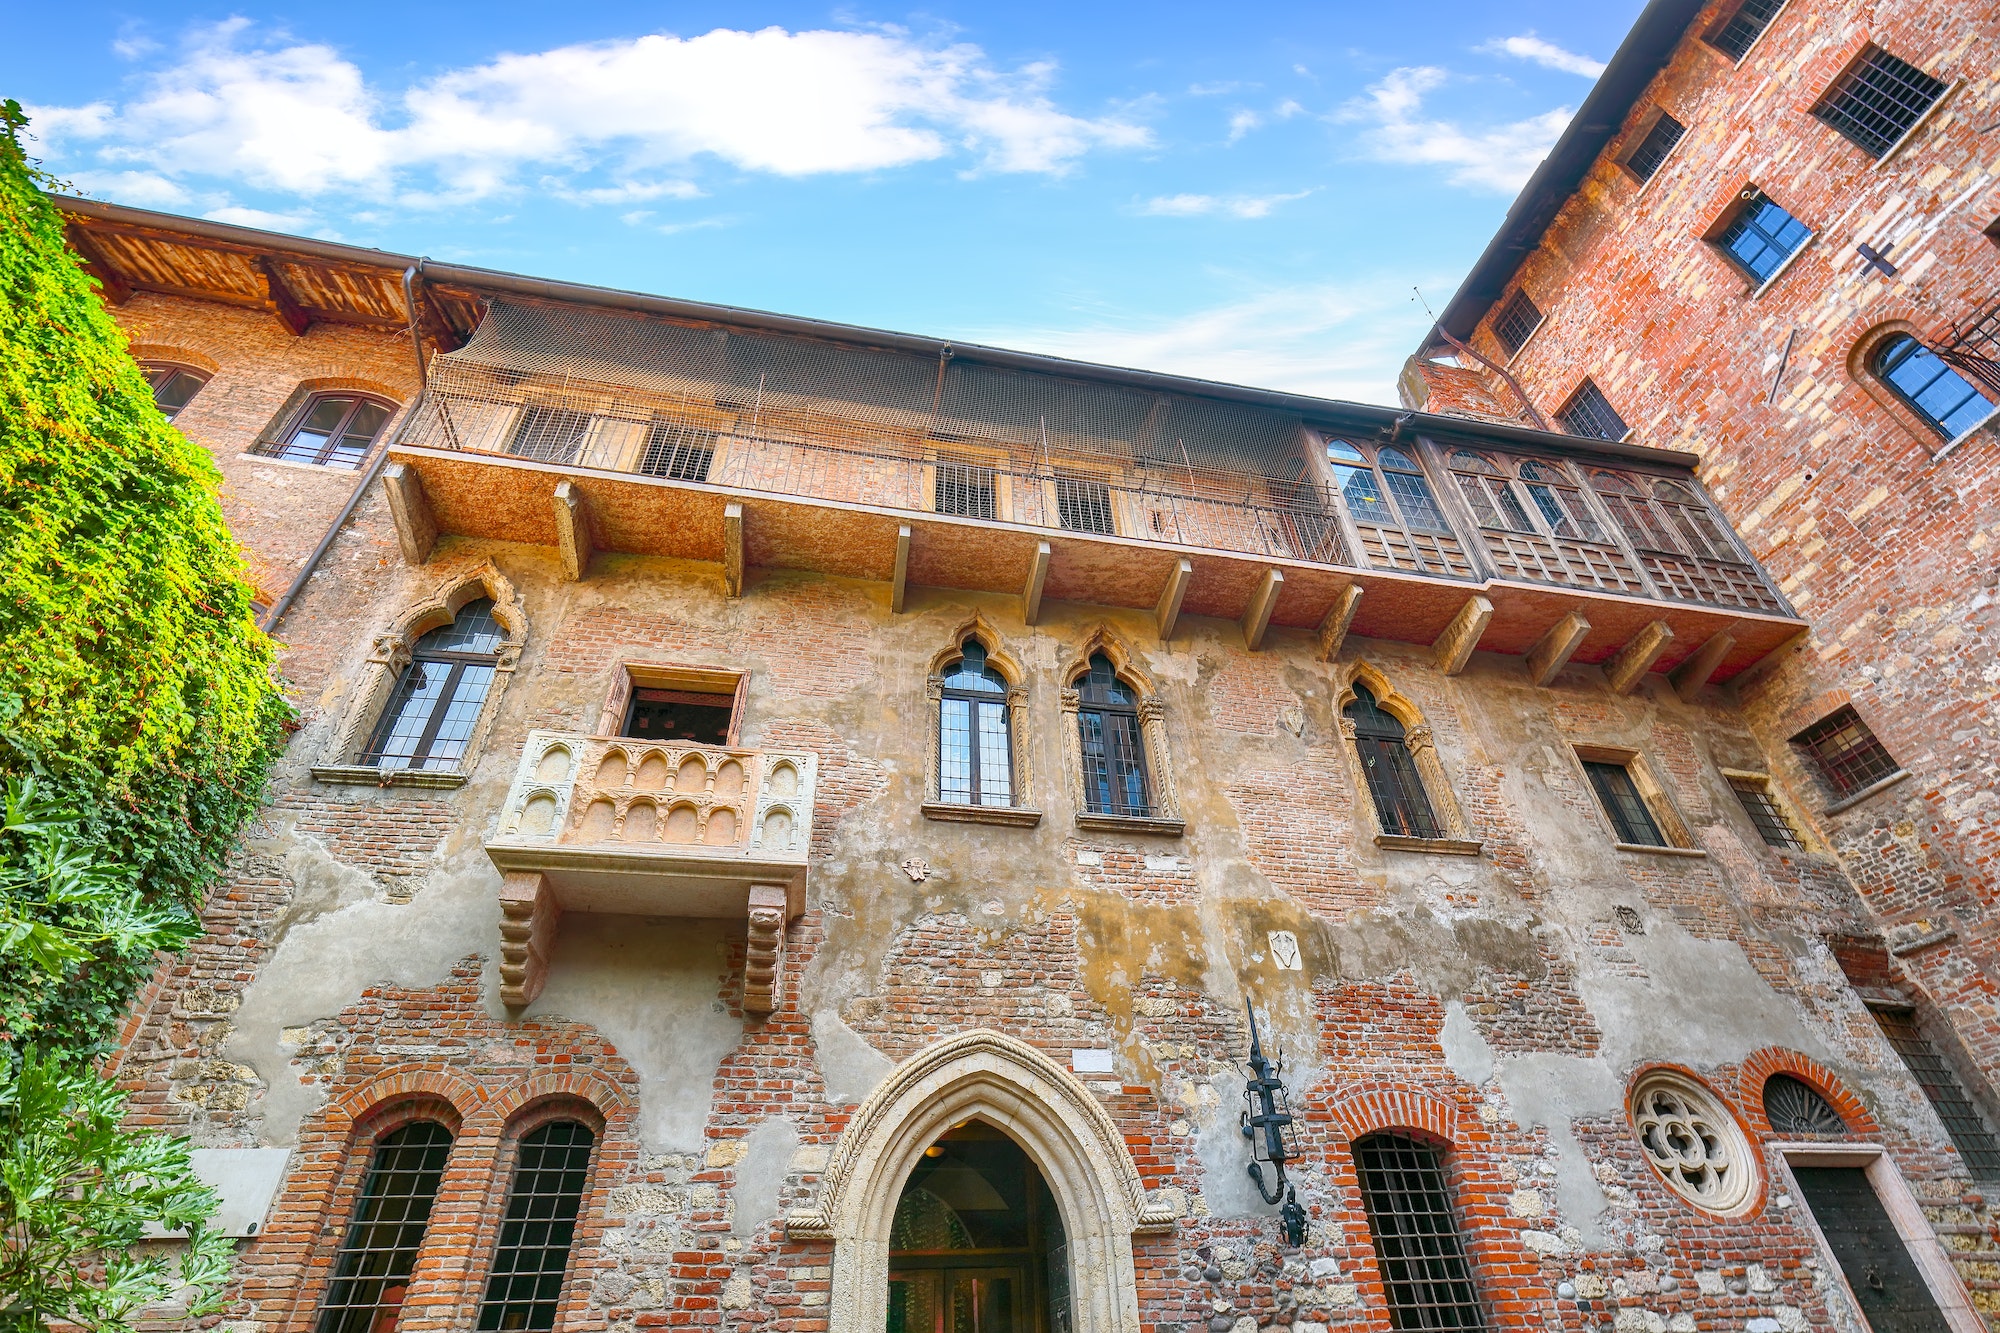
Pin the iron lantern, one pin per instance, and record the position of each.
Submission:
(1267, 1123)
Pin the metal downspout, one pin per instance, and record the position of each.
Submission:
(269, 623)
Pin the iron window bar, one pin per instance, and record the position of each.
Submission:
(1972, 345)
(1771, 822)
(1426, 1276)
(1877, 100)
(1516, 321)
(1794, 1107)
(1588, 413)
(1846, 752)
(975, 740)
(1968, 1130)
(335, 430)
(680, 452)
(524, 1286)
(1630, 817)
(1115, 781)
(379, 1252)
(1402, 806)
(1653, 150)
(967, 489)
(1736, 34)
(1083, 504)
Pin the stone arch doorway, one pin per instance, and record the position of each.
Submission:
(987, 1077)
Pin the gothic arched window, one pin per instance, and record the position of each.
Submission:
(436, 703)
(975, 743)
(1114, 754)
(1401, 803)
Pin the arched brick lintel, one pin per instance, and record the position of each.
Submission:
(1758, 1068)
(1356, 1112)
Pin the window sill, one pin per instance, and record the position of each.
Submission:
(1983, 423)
(322, 468)
(1871, 789)
(1783, 266)
(1396, 842)
(1658, 851)
(366, 775)
(1017, 815)
(1166, 828)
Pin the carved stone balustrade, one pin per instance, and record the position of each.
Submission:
(614, 824)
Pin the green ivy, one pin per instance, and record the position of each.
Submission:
(135, 687)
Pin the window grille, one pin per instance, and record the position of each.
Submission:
(1846, 752)
(974, 745)
(1744, 27)
(1793, 1107)
(525, 1285)
(1877, 100)
(1969, 1132)
(1772, 823)
(1114, 753)
(436, 703)
(551, 434)
(1487, 489)
(1425, 1274)
(1411, 491)
(173, 386)
(1761, 237)
(680, 452)
(1630, 818)
(1660, 140)
(1561, 502)
(1948, 403)
(1396, 516)
(966, 489)
(335, 430)
(1516, 320)
(1589, 413)
(1083, 503)
(1402, 805)
(372, 1272)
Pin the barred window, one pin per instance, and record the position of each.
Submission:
(1795, 1107)
(1402, 806)
(1734, 36)
(1418, 1249)
(1773, 825)
(1948, 402)
(1589, 413)
(173, 386)
(1516, 320)
(525, 1285)
(436, 703)
(680, 452)
(969, 490)
(1083, 504)
(335, 430)
(975, 746)
(1114, 751)
(1969, 1131)
(1762, 236)
(371, 1275)
(1877, 99)
(551, 434)
(1846, 752)
(1487, 489)
(1652, 150)
(1631, 820)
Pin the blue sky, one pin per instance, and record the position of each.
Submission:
(1245, 192)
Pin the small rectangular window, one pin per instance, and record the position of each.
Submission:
(1735, 34)
(1083, 503)
(1846, 752)
(1630, 818)
(680, 452)
(1761, 236)
(1968, 1129)
(1426, 1279)
(1589, 413)
(1876, 101)
(1516, 320)
(1773, 824)
(1660, 140)
(969, 490)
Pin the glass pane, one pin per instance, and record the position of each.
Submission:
(308, 443)
(460, 716)
(409, 712)
(1340, 451)
(970, 672)
(995, 784)
(358, 434)
(1630, 818)
(1364, 496)
(474, 630)
(172, 389)
(1413, 497)
(955, 751)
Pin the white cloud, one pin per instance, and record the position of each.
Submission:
(257, 217)
(303, 119)
(1544, 53)
(1242, 123)
(1498, 158)
(1333, 340)
(1203, 205)
(143, 189)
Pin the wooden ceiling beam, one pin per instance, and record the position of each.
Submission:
(116, 289)
(290, 313)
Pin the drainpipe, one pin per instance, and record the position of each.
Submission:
(1499, 370)
(269, 622)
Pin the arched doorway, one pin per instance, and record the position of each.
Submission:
(977, 1244)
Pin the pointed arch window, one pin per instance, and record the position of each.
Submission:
(437, 701)
(975, 733)
(1114, 749)
(1401, 803)
(371, 1274)
(524, 1287)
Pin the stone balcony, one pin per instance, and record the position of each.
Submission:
(612, 824)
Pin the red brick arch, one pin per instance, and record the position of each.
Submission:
(1761, 1065)
(1374, 1107)
(400, 1083)
(609, 1102)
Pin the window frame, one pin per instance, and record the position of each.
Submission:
(1442, 1162)
(993, 463)
(395, 1121)
(1021, 810)
(1148, 716)
(1451, 834)
(1746, 781)
(1901, 345)
(630, 676)
(162, 372)
(1502, 320)
(1430, 549)
(1740, 216)
(1841, 792)
(1642, 141)
(447, 697)
(273, 446)
(506, 1176)
(1711, 38)
(1659, 805)
(1850, 77)
(1575, 403)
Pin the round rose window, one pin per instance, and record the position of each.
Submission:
(1694, 1143)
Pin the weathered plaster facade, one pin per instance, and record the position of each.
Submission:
(1494, 991)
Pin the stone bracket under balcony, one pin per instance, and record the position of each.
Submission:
(614, 824)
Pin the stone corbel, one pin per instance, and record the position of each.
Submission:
(763, 959)
(528, 916)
